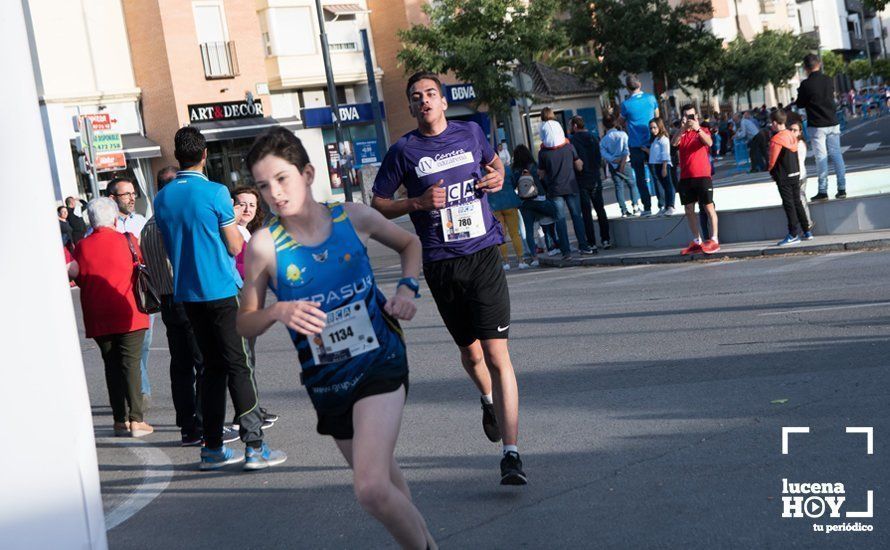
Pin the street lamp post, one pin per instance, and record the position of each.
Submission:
(332, 93)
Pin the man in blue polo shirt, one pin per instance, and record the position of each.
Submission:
(199, 227)
(636, 111)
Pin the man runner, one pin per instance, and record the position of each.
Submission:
(447, 168)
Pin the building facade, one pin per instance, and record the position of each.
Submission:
(88, 73)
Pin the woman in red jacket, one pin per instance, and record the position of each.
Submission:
(105, 277)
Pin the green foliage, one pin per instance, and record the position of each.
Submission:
(671, 42)
(876, 5)
(882, 68)
(859, 69)
(480, 41)
(770, 58)
(832, 63)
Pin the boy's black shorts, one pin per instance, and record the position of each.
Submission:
(699, 190)
(472, 296)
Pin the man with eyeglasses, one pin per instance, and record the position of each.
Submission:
(122, 190)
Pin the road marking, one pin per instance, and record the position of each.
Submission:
(844, 149)
(870, 147)
(828, 308)
(808, 263)
(873, 133)
(155, 478)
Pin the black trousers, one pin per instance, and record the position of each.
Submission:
(121, 354)
(226, 364)
(789, 190)
(186, 369)
(593, 197)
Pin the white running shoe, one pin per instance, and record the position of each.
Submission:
(669, 211)
(535, 263)
(522, 265)
(660, 213)
(554, 252)
(506, 266)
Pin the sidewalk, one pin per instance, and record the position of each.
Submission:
(873, 240)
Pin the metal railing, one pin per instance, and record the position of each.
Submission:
(219, 60)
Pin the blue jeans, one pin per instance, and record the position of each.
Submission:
(664, 187)
(143, 363)
(532, 210)
(573, 203)
(827, 144)
(620, 179)
(638, 160)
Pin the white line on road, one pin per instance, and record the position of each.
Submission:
(155, 478)
(873, 133)
(844, 149)
(808, 263)
(870, 147)
(828, 308)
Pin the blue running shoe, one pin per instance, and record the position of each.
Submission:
(213, 459)
(788, 240)
(808, 235)
(257, 459)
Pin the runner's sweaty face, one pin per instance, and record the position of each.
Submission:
(427, 104)
(281, 184)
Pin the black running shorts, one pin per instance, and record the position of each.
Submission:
(699, 190)
(472, 296)
(339, 426)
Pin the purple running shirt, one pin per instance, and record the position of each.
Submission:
(457, 156)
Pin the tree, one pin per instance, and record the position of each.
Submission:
(481, 41)
(832, 63)
(882, 69)
(859, 69)
(672, 42)
(876, 5)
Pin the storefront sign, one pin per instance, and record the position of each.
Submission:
(460, 93)
(352, 113)
(100, 121)
(110, 161)
(366, 152)
(230, 110)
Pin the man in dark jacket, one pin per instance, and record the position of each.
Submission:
(590, 183)
(816, 95)
(78, 226)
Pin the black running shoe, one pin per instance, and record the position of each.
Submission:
(192, 439)
(841, 195)
(268, 417)
(490, 422)
(511, 470)
(230, 434)
(819, 197)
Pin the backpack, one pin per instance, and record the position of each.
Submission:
(525, 187)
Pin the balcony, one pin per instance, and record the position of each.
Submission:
(813, 35)
(874, 47)
(219, 60)
(857, 43)
(853, 6)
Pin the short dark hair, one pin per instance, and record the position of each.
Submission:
(111, 189)
(60, 209)
(608, 122)
(578, 122)
(189, 146)
(779, 117)
(70, 200)
(811, 62)
(686, 107)
(632, 82)
(422, 75)
(165, 176)
(282, 143)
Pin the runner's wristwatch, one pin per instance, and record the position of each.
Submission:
(411, 283)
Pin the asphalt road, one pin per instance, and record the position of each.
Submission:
(652, 402)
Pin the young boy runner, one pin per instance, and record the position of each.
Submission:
(447, 168)
(784, 167)
(695, 185)
(345, 331)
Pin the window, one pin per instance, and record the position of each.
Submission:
(217, 52)
(267, 42)
(767, 6)
(210, 22)
(292, 31)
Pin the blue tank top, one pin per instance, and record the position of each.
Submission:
(361, 341)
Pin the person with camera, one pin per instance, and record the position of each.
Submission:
(695, 184)
(535, 205)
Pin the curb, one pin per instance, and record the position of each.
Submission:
(676, 258)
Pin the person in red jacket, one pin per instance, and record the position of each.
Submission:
(104, 273)
(784, 167)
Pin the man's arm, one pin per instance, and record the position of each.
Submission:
(233, 239)
(432, 199)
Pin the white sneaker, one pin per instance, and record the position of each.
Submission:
(522, 265)
(660, 213)
(554, 252)
(637, 211)
(535, 263)
(506, 266)
(668, 211)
